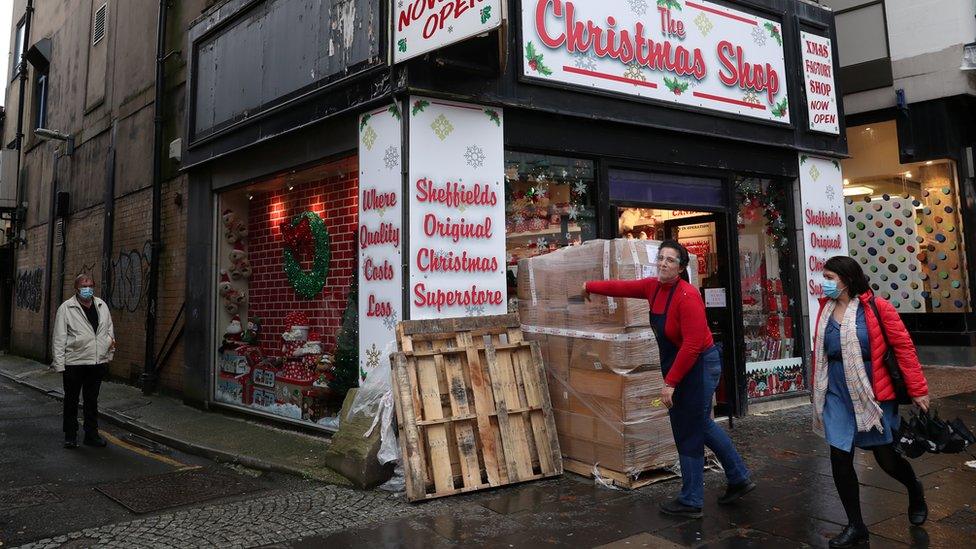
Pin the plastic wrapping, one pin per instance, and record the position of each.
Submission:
(375, 399)
(601, 356)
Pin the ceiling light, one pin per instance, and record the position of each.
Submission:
(250, 196)
(847, 181)
(858, 190)
(908, 174)
(291, 187)
(928, 163)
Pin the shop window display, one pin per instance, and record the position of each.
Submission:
(550, 203)
(285, 294)
(773, 366)
(907, 233)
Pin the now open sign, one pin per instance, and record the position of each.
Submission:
(818, 74)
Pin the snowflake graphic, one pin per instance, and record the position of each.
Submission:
(635, 72)
(574, 212)
(441, 254)
(579, 188)
(830, 193)
(759, 36)
(518, 218)
(639, 7)
(584, 60)
(390, 322)
(474, 310)
(474, 156)
(369, 137)
(372, 356)
(442, 127)
(450, 29)
(704, 24)
(541, 242)
(392, 157)
(751, 97)
(814, 172)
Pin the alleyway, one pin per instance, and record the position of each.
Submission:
(56, 497)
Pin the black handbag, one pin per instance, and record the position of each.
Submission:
(891, 361)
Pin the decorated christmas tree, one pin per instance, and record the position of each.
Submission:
(347, 345)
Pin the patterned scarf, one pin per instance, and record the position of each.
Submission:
(867, 412)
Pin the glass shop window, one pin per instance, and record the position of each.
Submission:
(550, 203)
(770, 312)
(286, 327)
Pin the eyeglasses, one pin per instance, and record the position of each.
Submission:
(667, 259)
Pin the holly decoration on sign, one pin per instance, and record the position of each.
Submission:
(394, 111)
(669, 4)
(485, 14)
(363, 121)
(676, 86)
(774, 32)
(779, 110)
(419, 106)
(535, 60)
(402, 45)
(306, 232)
(493, 116)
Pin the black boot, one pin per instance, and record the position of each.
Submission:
(95, 440)
(736, 491)
(70, 441)
(852, 536)
(677, 509)
(918, 511)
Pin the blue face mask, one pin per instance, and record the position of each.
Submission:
(86, 293)
(830, 289)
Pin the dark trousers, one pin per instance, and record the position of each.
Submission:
(86, 380)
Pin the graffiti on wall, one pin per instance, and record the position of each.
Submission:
(128, 279)
(29, 283)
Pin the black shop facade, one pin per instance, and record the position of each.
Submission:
(425, 159)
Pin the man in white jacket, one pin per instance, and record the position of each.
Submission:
(83, 345)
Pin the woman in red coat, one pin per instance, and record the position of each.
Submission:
(853, 396)
(692, 366)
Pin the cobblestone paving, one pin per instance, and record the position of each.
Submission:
(247, 523)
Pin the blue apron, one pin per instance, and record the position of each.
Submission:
(688, 411)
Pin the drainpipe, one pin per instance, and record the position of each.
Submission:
(18, 222)
(155, 247)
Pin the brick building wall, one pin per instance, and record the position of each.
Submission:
(271, 297)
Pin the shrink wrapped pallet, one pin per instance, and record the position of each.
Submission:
(601, 356)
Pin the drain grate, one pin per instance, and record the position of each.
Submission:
(26, 496)
(156, 492)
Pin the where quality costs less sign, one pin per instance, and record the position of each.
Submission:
(687, 52)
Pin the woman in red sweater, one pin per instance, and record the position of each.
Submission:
(692, 366)
(853, 397)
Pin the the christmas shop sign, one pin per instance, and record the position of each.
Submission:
(818, 75)
(687, 52)
(457, 210)
(421, 26)
(824, 227)
(380, 235)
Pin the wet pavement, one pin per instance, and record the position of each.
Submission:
(794, 505)
(49, 497)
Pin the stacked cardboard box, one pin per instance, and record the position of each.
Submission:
(601, 356)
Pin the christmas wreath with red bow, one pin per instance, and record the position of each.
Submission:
(755, 201)
(306, 232)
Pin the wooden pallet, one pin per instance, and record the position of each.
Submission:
(472, 405)
(624, 480)
(618, 479)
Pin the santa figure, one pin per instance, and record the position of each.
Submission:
(232, 334)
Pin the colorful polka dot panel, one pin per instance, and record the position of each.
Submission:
(881, 233)
(942, 247)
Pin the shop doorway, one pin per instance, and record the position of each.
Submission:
(706, 236)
